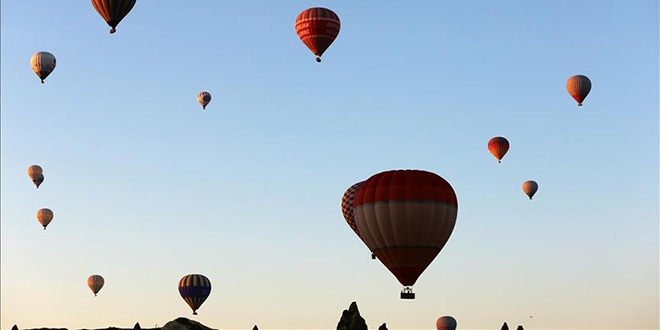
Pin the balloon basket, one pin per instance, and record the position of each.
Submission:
(407, 293)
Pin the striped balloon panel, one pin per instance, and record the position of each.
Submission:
(194, 289)
(113, 11)
(95, 283)
(498, 146)
(45, 216)
(317, 28)
(405, 218)
(347, 201)
(578, 87)
(43, 64)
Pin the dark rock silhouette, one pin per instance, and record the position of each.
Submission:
(351, 319)
(520, 327)
(137, 326)
(183, 323)
(382, 327)
(14, 327)
(255, 327)
(505, 326)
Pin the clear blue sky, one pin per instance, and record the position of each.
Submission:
(146, 187)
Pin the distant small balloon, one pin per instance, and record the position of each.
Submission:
(446, 323)
(95, 283)
(43, 64)
(36, 174)
(204, 98)
(498, 146)
(194, 289)
(578, 87)
(113, 11)
(44, 216)
(530, 187)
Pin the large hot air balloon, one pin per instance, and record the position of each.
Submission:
(446, 323)
(43, 64)
(498, 146)
(95, 283)
(317, 28)
(578, 87)
(194, 289)
(113, 11)
(530, 187)
(405, 217)
(36, 174)
(45, 216)
(204, 98)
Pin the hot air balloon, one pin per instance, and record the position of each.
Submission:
(194, 289)
(204, 98)
(113, 11)
(36, 174)
(578, 87)
(530, 187)
(347, 206)
(347, 201)
(43, 64)
(446, 323)
(317, 28)
(498, 146)
(405, 217)
(95, 283)
(45, 216)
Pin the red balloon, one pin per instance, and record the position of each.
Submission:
(405, 217)
(113, 11)
(498, 146)
(578, 87)
(317, 28)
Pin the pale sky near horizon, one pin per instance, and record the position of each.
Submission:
(146, 187)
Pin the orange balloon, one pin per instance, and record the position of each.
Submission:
(498, 146)
(44, 216)
(578, 87)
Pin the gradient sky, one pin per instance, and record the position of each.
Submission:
(146, 187)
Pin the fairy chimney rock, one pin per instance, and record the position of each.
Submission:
(351, 319)
(183, 323)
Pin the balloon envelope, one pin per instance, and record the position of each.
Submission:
(405, 217)
(317, 28)
(578, 87)
(44, 216)
(204, 98)
(95, 283)
(43, 64)
(530, 187)
(36, 174)
(194, 290)
(113, 11)
(446, 323)
(498, 146)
